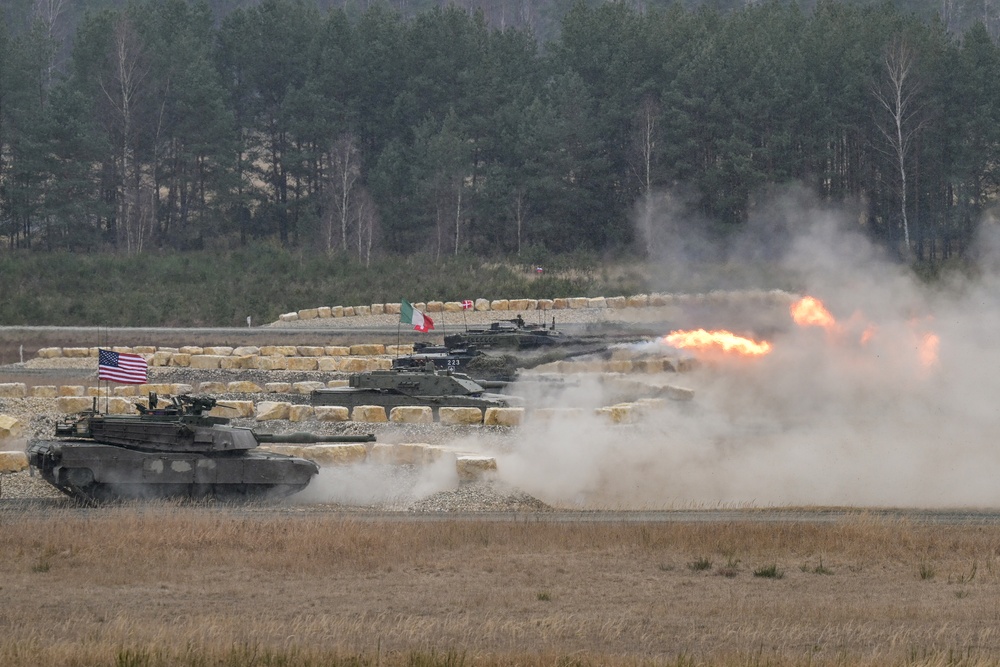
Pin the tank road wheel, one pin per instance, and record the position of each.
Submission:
(79, 484)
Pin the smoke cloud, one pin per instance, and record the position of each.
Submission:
(854, 414)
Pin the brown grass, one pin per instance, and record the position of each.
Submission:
(179, 585)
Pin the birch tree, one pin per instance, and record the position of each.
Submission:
(900, 118)
(123, 87)
(345, 160)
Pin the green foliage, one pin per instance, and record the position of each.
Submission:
(769, 572)
(699, 564)
(469, 138)
(204, 288)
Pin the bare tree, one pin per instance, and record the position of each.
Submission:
(367, 225)
(518, 208)
(897, 94)
(645, 134)
(123, 88)
(345, 158)
(48, 13)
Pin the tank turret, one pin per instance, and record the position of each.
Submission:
(171, 450)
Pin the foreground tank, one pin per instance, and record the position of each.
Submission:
(173, 451)
(396, 387)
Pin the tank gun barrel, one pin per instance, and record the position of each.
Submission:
(311, 438)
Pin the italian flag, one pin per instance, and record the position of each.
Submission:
(410, 315)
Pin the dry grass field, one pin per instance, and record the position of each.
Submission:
(188, 585)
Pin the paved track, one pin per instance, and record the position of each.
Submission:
(27, 508)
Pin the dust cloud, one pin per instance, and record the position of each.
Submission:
(896, 404)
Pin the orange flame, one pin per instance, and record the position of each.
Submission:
(721, 341)
(928, 349)
(810, 312)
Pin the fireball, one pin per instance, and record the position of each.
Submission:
(717, 341)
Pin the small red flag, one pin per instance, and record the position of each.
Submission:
(467, 304)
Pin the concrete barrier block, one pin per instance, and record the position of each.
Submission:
(245, 350)
(616, 302)
(11, 462)
(517, 304)
(191, 349)
(71, 404)
(270, 410)
(475, 468)
(180, 360)
(310, 350)
(372, 414)
(10, 427)
(76, 352)
(118, 405)
(398, 454)
(212, 388)
(278, 387)
(597, 302)
(336, 454)
(13, 390)
(482, 305)
(323, 312)
(301, 413)
(232, 409)
(622, 413)
(161, 358)
(332, 413)
(307, 387)
(368, 349)
(637, 301)
(206, 361)
(460, 416)
(218, 350)
(336, 350)
(72, 390)
(308, 313)
(503, 416)
(328, 364)
(273, 363)
(302, 363)
(49, 353)
(499, 304)
(356, 364)
(412, 414)
(45, 391)
(243, 387)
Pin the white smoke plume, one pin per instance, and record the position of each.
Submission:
(849, 415)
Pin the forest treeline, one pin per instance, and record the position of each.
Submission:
(370, 132)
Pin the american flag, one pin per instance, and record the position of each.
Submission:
(121, 367)
(467, 304)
